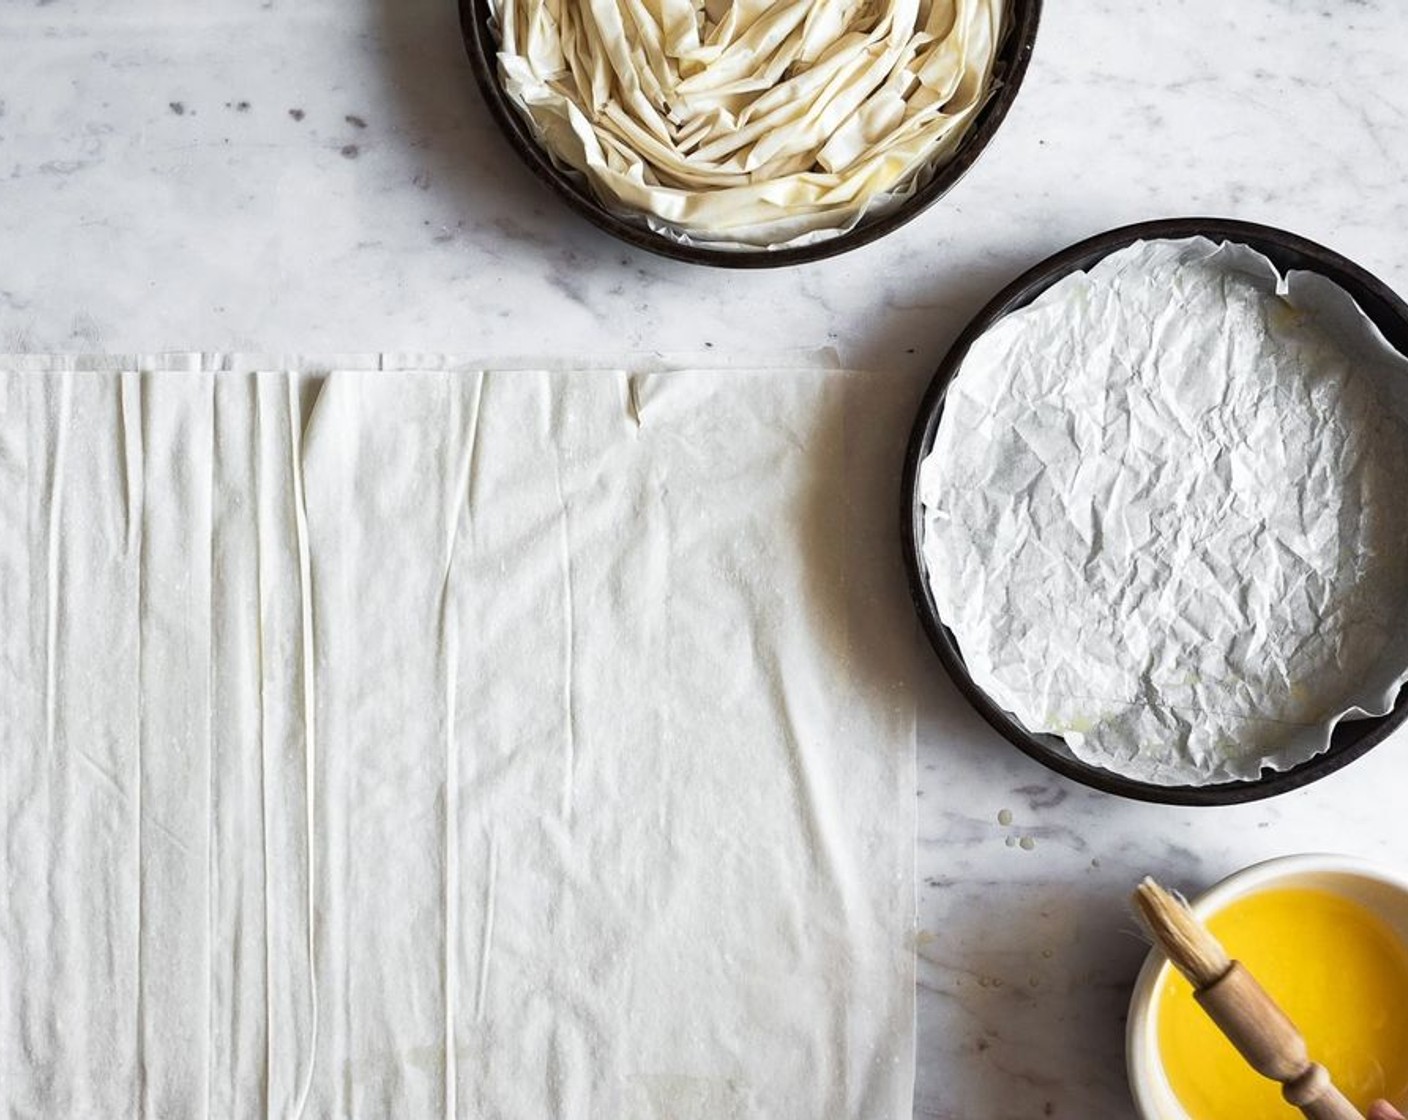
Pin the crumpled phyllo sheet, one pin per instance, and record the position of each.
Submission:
(749, 125)
(1166, 513)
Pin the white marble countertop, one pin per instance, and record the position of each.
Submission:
(320, 176)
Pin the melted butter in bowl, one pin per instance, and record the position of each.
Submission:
(1327, 936)
(1333, 966)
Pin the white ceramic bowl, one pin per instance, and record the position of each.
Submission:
(1379, 890)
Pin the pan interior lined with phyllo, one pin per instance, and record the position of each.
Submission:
(749, 124)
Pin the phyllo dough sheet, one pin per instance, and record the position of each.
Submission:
(494, 745)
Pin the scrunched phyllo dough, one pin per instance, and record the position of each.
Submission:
(749, 123)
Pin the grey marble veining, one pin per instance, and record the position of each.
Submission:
(320, 176)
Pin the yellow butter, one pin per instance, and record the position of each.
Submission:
(1335, 968)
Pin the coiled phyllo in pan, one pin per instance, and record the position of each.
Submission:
(749, 123)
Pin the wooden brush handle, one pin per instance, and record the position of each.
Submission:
(1272, 1045)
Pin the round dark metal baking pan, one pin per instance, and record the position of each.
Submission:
(1351, 738)
(1014, 53)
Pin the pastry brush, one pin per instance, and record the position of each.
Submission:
(1240, 1007)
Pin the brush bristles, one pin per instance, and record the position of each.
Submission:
(1188, 945)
